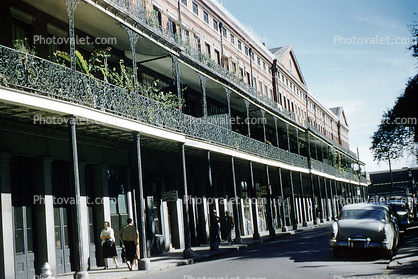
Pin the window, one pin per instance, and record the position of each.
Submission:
(197, 42)
(260, 86)
(207, 49)
(265, 89)
(185, 35)
(195, 8)
(264, 65)
(239, 45)
(246, 50)
(18, 32)
(215, 25)
(232, 39)
(241, 73)
(234, 67)
(184, 2)
(172, 27)
(157, 16)
(224, 32)
(218, 57)
(206, 17)
(258, 61)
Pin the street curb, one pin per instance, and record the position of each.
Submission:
(407, 263)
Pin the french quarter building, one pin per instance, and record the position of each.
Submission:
(162, 111)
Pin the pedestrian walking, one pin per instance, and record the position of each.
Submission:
(229, 224)
(138, 253)
(129, 235)
(108, 243)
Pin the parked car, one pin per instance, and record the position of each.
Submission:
(401, 212)
(365, 226)
(409, 204)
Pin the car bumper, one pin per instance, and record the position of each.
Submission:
(358, 243)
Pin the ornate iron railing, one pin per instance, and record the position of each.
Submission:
(38, 76)
(141, 15)
(324, 168)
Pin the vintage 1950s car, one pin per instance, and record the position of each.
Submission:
(364, 226)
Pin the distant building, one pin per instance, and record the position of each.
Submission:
(404, 182)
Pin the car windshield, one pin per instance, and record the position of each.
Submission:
(362, 214)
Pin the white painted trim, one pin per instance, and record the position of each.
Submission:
(172, 15)
(39, 102)
(158, 5)
(65, 108)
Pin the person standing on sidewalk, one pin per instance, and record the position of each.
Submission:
(229, 224)
(129, 235)
(108, 242)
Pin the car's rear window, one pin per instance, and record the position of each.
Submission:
(362, 214)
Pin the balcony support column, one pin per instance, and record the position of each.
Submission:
(305, 223)
(326, 201)
(7, 262)
(204, 99)
(79, 256)
(247, 106)
(272, 231)
(71, 7)
(288, 138)
(321, 206)
(333, 206)
(237, 239)
(277, 132)
(214, 226)
(311, 176)
(297, 139)
(176, 78)
(187, 252)
(133, 38)
(293, 202)
(263, 113)
(228, 99)
(337, 203)
(144, 262)
(284, 227)
(256, 234)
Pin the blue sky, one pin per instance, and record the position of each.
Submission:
(336, 46)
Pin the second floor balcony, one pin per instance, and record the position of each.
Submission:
(40, 77)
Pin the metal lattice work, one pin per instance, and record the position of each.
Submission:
(147, 18)
(33, 74)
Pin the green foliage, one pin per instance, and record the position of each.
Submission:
(391, 140)
(398, 130)
(413, 28)
(23, 46)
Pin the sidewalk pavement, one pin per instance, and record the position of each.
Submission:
(175, 256)
(407, 254)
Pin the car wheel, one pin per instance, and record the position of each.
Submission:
(337, 252)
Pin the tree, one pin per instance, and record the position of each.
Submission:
(398, 130)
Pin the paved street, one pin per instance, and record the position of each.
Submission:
(303, 255)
